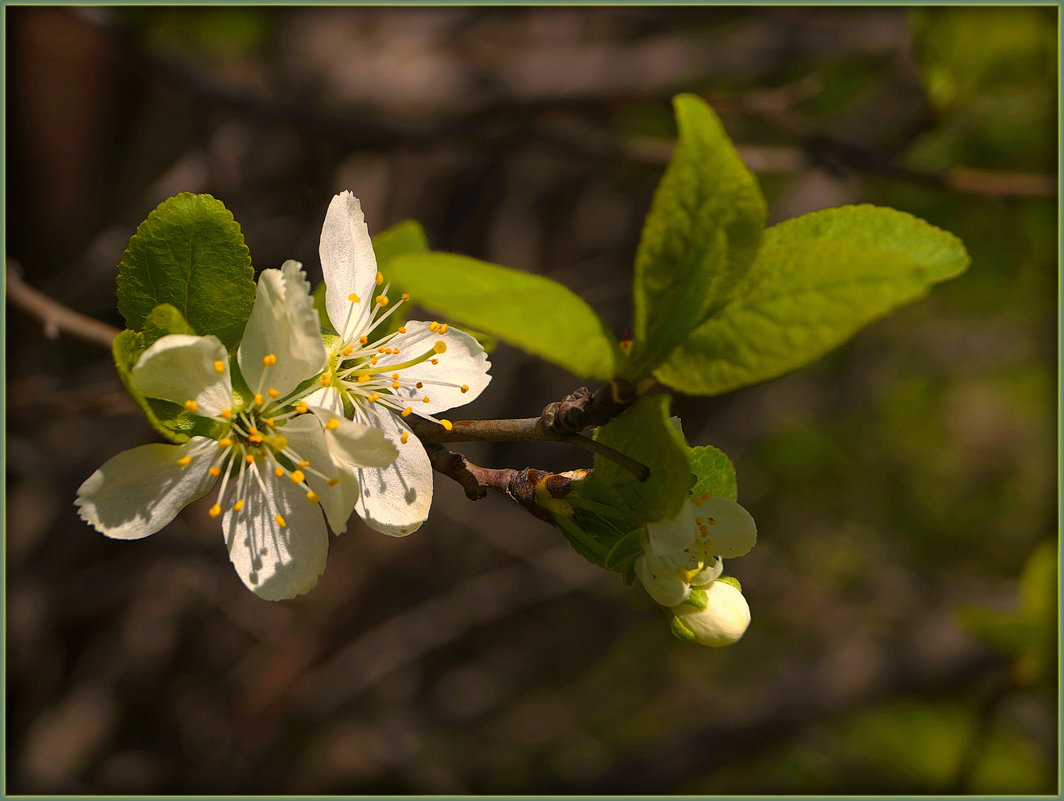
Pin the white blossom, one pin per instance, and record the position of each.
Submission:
(716, 615)
(421, 369)
(269, 454)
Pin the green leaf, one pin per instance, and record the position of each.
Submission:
(530, 311)
(644, 432)
(163, 320)
(714, 473)
(399, 240)
(190, 254)
(699, 238)
(816, 281)
(169, 419)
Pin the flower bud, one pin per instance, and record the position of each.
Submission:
(715, 616)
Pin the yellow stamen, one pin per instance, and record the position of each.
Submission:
(280, 443)
(273, 393)
(269, 360)
(332, 482)
(301, 407)
(253, 430)
(228, 414)
(313, 497)
(191, 405)
(373, 360)
(418, 385)
(434, 361)
(382, 300)
(304, 463)
(402, 329)
(440, 346)
(258, 399)
(219, 367)
(297, 477)
(380, 278)
(395, 376)
(332, 424)
(250, 458)
(255, 439)
(225, 443)
(425, 399)
(363, 340)
(434, 326)
(280, 521)
(384, 350)
(238, 505)
(269, 421)
(443, 328)
(405, 296)
(395, 385)
(184, 460)
(215, 471)
(354, 298)
(349, 350)
(326, 379)
(404, 437)
(406, 412)
(373, 397)
(215, 510)
(447, 424)
(278, 471)
(464, 388)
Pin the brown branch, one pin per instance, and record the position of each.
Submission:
(55, 316)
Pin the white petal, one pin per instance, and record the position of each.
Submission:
(307, 439)
(708, 574)
(395, 500)
(327, 398)
(274, 561)
(673, 534)
(353, 445)
(283, 324)
(182, 367)
(722, 622)
(661, 581)
(139, 491)
(348, 264)
(732, 531)
(464, 363)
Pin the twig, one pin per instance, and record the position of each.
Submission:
(55, 316)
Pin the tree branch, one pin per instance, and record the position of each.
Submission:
(55, 316)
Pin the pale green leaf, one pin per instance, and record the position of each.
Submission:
(699, 238)
(816, 281)
(189, 253)
(530, 311)
(714, 473)
(164, 319)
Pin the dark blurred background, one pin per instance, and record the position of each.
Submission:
(901, 484)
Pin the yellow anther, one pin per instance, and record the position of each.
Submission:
(402, 329)
(434, 326)
(219, 367)
(373, 360)
(447, 424)
(250, 458)
(225, 443)
(215, 510)
(362, 379)
(443, 328)
(255, 439)
(395, 376)
(354, 298)
(280, 521)
(326, 379)
(273, 393)
(191, 405)
(184, 460)
(406, 412)
(253, 430)
(395, 351)
(278, 471)
(269, 421)
(425, 399)
(269, 360)
(373, 397)
(304, 463)
(363, 340)
(418, 385)
(297, 477)
(332, 424)
(405, 296)
(228, 414)
(312, 496)
(238, 505)
(215, 471)
(280, 443)
(404, 437)
(464, 388)
(349, 350)
(258, 399)
(380, 278)
(434, 361)
(384, 350)
(440, 346)
(382, 300)
(332, 482)
(301, 407)
(395, 385)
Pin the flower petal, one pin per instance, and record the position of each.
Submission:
(274, 561)
(353, 445)
(723, 620)
(307, 439)
(285, 326)
(326, 398)
(139, 491)
(348, 265)
(463, 364)
(395, 500)
(732, 531)
(673, 534)
(661, 580)
(181, 367)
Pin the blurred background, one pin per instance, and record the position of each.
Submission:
(905, 486)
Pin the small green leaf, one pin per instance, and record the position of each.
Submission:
(189, 253)
(530, 311)
(714, 473)
(645, 433)
(168, 419)
(816, 281)
(399, 240)
(699, 238)
(163, 320)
